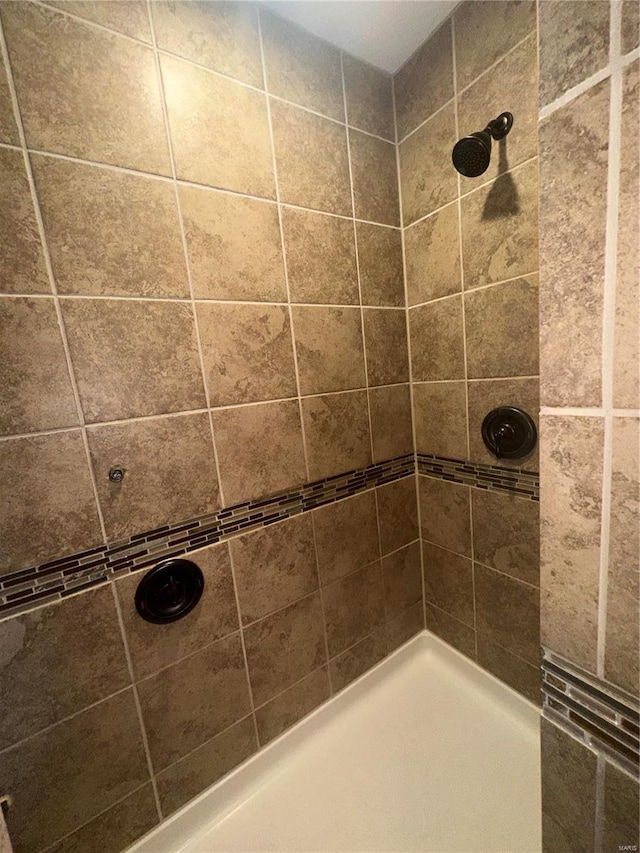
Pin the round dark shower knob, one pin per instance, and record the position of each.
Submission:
(169, 591)
(509, 433)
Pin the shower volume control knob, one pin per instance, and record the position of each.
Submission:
(509, 433)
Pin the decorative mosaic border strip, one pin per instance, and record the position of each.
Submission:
(603, 716)
(526, 484)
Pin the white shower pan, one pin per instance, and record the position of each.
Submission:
(425, 752)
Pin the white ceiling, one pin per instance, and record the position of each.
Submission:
(382, 32)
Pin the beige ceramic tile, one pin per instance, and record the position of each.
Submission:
(369, 98)
(570, 509)
(402, 628)
(353, 607)
(301, 67)
(425, 81)
(436, 336)
(346, 667)
(445, 514)
(110, 233)
(427, 178)
(385, 335)
(432, 257)
(448, 583)
(233, 245)
(458, 635)
(222, 35)
(391, 429)
(8, 127)
(82, 71)
(158, 487)
(380, 263)
(514, 671)
(259, 450)
(402, 576)
(321, 258)
(621, 819)
(630, 26)
(35, 388)
(346, 535)
(51, 497)
(312, 160)
(440, 412)
(247, 352)
(22, 267)
(238, 155)
(506, 534)
(573, 190)
(375, 179)
(329, 349)
(114, 343)
(336, 433)
(398, 514)
(286, 709)
(129, 17)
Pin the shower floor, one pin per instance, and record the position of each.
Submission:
(426, 752)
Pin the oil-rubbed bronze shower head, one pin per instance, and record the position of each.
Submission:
(471, 155)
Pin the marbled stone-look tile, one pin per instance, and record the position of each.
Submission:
(369, 98)
(54, 769)
(57, 660)
(286, 709)
(425, 81)
(51, 497)
(284, 648)
(233, 245)
(158, 486)
(301, 67)
(312, 160)
(385, 334)
(329, 349)
(483, 396)
(222, 36)
(440, 413)
(458, 635)
(247, 352)
(321, 257)
(486, 31)
(238, 155)
(500, 228)
(129, 17)
(192, 774)
(517, 673)
(186, 704)
(375, 179)
(402, 576)
(81, 71)
(511, 85)
(274, 567)
(626, 358)
(573, 190)
(337, 434)
(437, 340)
(22, 268)
(153, 646)
(380, 262)
(574, 44)
(506, 534)
(433, 266)
(260, 449)
(35, 387)
(398, 514)
(353, 607)
(630, 26)
(570, 509)
(501, 327)
(621, 653)
(621, 817)
(427, 178)
(346, 535)
(8, 127)
(445, 514)
(568, 791)
(391, 427)
(110, 233)
(448, 582)
(348, 666)
(402, 628)
(115, 342)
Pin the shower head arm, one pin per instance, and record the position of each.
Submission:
(500, 127)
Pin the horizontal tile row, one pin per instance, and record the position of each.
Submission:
(518, 481)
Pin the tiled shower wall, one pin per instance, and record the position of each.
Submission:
(471, 255)
(589, 309)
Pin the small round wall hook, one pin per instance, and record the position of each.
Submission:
(116, 474)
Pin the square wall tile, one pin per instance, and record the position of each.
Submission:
(397, 514)
(238, 155)
(369, 97)
(22, 267)
(321, 257)
(630, 26)
(506, 534)
(329, 349)
(425, 81)
(51, 497)
(402, 628)
(312, 160)
(35, 387)
(301, 67)
(432, 257)
(457, 634)
(621, 809)
(437, 340)
(380, 262)
(286, 709)
(81, 71)
(445, 510)
(222, 36)
(375, 179)
(391, 425)
(348, 666)
(346, 535)
(170, 472)
(440, 412)
(274, 566)
(114, 343)
(448, 583)
(129, 17)
(402, 576)
(110, 233)
(517, 673)
(353, 607)
(337, 437)
(385, 333)
(8, 127)
(234, 246)
(247, 352)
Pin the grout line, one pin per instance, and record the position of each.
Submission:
(574, 92)
(322, 607)
(589, 412)
(599, 813)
